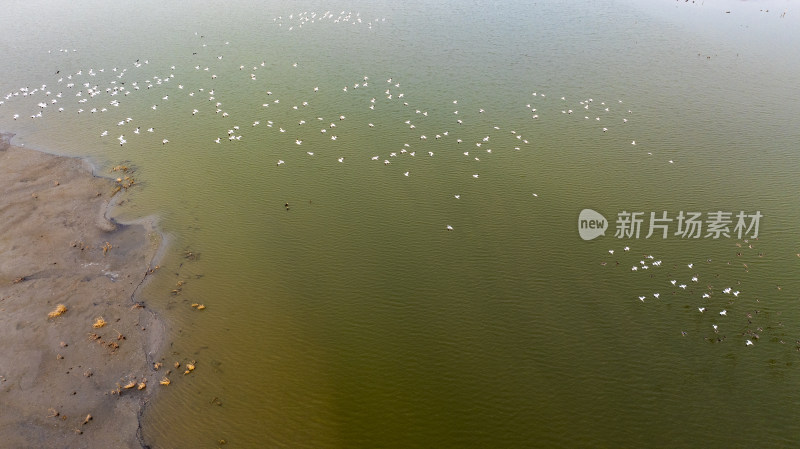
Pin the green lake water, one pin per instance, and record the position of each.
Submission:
(355, 318)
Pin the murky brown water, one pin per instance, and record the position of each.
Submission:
(355, 318)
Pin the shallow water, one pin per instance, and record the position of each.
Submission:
(355, 318)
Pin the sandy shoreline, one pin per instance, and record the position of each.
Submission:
(59, 248)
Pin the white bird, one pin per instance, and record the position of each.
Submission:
(641, 298)
(164, 142)
(673, 282)
(457, 196)
(341, 159)
(405, 174)
(611, 251)
(656, 295)
(701, 309)
(715, 327)
(280, 162)
(298, 141)
(449, 228)
(724, 313)
(627, 248)
(748, 343)
(475, 175)
(690, 265)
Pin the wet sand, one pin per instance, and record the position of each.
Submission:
(55, 372)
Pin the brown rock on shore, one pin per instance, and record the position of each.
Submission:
(59, 375)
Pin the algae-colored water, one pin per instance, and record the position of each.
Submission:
(354, 317)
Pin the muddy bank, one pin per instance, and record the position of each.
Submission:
(62, 375)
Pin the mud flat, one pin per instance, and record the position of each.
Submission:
(62, 375)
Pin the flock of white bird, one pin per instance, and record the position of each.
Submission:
(198, 91)
(307, 18)
(701, 288)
